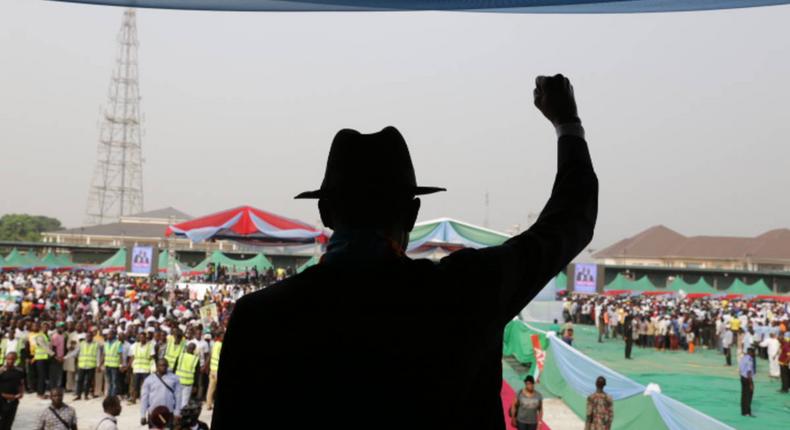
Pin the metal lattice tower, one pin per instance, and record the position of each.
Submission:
(117, 185)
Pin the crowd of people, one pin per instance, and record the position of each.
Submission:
(115, 337)
(745, 328)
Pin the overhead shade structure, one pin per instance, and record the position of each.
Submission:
(620, 284)
(116, 263)
(308, 264)
(56, 262)
(697, 289)
(16, 260)
(164, 263)
(758, 288)
(511, 6)
(450, 235)
(247, 224)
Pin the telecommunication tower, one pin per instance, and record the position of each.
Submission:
(117, 185)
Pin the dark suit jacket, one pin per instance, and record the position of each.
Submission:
(396, 342)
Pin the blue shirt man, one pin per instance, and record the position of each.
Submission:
(746, 368)
(160, 389)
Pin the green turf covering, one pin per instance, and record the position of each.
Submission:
(699, 380)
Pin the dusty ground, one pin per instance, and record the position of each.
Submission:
(89, 412)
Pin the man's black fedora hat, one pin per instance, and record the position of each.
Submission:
(365, 164)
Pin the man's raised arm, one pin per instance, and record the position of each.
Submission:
(565, 225)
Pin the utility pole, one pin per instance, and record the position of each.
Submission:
(117, 184)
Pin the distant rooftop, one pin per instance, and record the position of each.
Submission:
(161, 214)
(662, 242)
(150, 224)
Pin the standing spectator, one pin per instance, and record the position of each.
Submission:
(112, 408)
(87, 358)
(628, 335)
(59, 416)
(772, 346)
(216, 348)
(41, 353)
(527, 411)
(12, 388)
(726, 345)
(160, 389)
(58, 352)
(70, 366)
(187, 367)
(140, 357)
(747, 382)
(784, 363)
(600, 408)
(159, 418)
(111, 363)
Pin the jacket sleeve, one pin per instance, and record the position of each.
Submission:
(523, 265)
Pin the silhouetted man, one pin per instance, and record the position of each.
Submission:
(371, 338)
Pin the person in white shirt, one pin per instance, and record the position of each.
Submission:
(112, 408)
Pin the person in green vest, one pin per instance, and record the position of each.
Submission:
(174, 349)
(216, 347)
(187, 366)
(41, 359)
(10, 343)
(111, 363)
(87, 359)
(140, 360)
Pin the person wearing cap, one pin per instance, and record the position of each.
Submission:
(379, 309)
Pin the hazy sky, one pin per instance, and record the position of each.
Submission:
(687, 114)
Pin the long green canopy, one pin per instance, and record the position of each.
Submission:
(758, 288)
(620, 282)
(17, 260)
(699, 287)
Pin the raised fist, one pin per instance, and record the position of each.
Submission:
(554, 98)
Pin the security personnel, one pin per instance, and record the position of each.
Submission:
(87, 359)
(187, 365)
(141, 360)
(213, 367)
(174, 349)
(112, 363)
(41, 359)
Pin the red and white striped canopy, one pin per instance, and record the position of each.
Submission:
(247, 224)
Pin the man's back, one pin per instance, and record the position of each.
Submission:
(369, 338)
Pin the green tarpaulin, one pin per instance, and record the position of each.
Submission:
(17, 260)
(309, 263)
(642, 284)
(758, 288)
(698, 287)
(115, 263)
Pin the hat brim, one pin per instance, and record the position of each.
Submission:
(320, 194)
